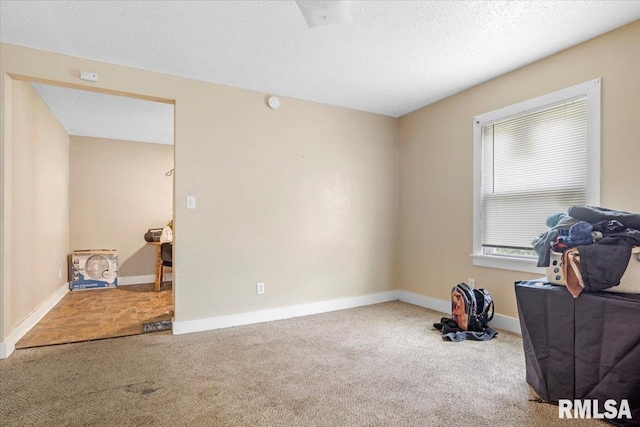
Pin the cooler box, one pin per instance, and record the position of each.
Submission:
(94, 269)
(629, 284)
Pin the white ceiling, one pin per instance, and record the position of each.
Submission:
(99, 115)
(395, 57)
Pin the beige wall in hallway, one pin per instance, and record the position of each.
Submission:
(304, 198)
(436, 166)
(118, 190)
(39, 203)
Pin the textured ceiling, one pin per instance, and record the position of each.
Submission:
(395, 57)
(108, 116)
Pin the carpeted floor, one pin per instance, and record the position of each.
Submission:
(381, 365)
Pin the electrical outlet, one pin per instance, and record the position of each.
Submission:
(59, 273)
(472, 283)
(260, 288)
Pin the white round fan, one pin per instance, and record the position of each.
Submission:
(97, 267)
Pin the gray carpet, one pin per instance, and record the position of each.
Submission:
(381, 365)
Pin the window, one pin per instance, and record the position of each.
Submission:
(531, 160)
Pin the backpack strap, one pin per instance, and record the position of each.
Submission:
(472, 307)
(491, 306)
(488, 303)
(468, 290)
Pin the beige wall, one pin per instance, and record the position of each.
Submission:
(118, 190)
(39, 203)
(436, 161)
(303, 198)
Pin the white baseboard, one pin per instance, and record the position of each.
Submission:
(507, 323)
(499, 321)
(188, 326)
(138, 280)
(9, 345)
(426, 302)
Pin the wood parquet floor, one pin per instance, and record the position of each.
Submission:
(84, 315)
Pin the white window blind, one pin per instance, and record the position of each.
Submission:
(533, 165)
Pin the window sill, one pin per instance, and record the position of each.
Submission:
(507, 263)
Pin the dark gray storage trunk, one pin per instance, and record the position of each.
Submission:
(583, 348)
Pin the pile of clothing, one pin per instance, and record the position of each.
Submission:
(596, 244)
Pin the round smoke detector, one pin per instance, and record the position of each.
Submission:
(273, 102)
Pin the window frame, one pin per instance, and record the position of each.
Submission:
(590, 90)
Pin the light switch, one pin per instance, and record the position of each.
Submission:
(191, 202)
(89, 76)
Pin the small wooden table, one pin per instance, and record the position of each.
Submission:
(158, 245)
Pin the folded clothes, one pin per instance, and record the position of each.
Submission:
(602, 265)
(611, 226)
(595, 214)
(559, 246)
(553, 220)
(579, 234)
(542, 244)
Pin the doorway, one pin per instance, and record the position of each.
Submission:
(120, 184)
